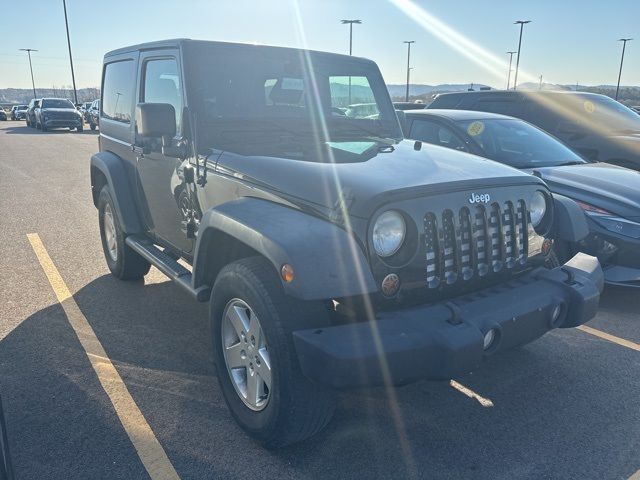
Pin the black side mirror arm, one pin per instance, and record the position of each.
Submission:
(179, 150)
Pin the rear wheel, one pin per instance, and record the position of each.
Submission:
(258, 370)
(80, 128)
(92, 126)
(123, 262)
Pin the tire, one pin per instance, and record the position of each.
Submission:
(80, 128)
(92, 126)
(295, 408)
(125, 263)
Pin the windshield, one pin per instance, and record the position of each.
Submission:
(284, 98)
(22, 107)
(600, 112)
(57, 103)
(518, 144)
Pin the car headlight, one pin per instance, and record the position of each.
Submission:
(611, 221)
(388, 233)
(537, 208)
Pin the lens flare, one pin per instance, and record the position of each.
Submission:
(321, 133)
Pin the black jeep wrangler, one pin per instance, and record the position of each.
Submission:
(334, 253)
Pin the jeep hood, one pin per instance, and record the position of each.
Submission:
(602, 185)
(387, 176)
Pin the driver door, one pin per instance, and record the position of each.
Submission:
(161, 180)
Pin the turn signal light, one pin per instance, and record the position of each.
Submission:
(287, 273)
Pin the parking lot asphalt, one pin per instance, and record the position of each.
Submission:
(566, 406)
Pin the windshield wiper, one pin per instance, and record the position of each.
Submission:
(571, 162)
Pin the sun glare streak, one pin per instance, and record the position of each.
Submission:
(470, 49)
(497, 67)
(321, 131)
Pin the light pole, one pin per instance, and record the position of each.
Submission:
(33, 84)
(624, 45)
(73, 77)
(509, 74)
(408, 42)
(350, 23)
(522, 23)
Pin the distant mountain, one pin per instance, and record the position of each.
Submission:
(24, 95)
(545, 86)
(416, 90)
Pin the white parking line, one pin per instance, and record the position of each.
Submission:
(151, 453)
(611, 338)
(485, 402)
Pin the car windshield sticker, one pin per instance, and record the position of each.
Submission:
(475, 128)
(589, 106)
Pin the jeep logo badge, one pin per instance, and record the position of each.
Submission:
(482, 198)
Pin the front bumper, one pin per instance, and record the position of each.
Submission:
(619, 254)
(445, 340)
(63, 123)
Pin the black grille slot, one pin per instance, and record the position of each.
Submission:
(522, 221)
(466, 251)
(474, 242)
(495, 234)
(449, 257)
(432, 245)
(480, 240)
(509, 232)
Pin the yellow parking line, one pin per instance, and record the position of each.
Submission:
(485, 402)
(611, 338)
(149, 450)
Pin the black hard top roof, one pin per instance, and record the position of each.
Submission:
(178, 42)
(456, 114)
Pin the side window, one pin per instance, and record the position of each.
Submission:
(503, 106)
(352, 97)
(436, 134)
(117, 92)
(162, 85)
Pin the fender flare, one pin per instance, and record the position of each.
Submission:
(113, 169)
(570, 221)
(327, 261)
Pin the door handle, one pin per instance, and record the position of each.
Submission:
(140, 150)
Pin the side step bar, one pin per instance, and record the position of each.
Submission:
(167, 265)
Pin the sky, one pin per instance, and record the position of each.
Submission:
(457, 41)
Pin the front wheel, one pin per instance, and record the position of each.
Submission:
(124, 263)
(92, 126)
(79, 129)
(258, 370)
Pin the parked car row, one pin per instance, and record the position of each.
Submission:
(51, 113)
(590, 152)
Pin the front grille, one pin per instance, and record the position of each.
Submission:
(475, 242)
(61, 116)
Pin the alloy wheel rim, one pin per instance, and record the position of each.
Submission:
(246, 354)
(110, 233)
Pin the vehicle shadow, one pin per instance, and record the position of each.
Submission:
(23, 129)
(542, 424)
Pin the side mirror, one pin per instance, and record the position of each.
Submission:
(155, 120)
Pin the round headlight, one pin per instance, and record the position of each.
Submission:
(537, 208)
(388, 233)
